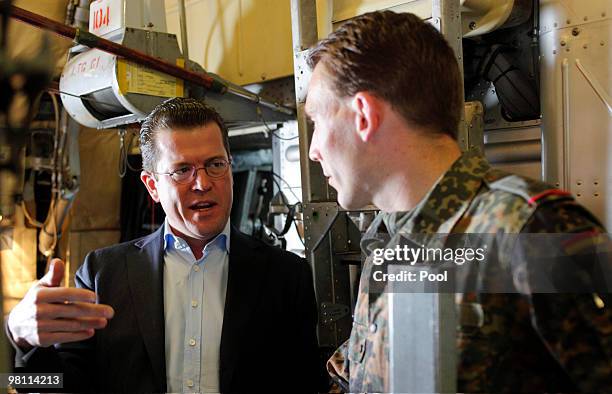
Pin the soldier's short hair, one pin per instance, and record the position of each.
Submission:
(176, 113)
(399, 58)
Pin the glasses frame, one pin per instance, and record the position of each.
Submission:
(195, 169)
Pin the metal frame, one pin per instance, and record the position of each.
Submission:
(325, 231)
(576, 110)
(423, 362)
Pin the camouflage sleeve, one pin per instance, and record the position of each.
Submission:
(338, 368)
(576, 326)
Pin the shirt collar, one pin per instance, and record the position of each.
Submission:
(171, 241)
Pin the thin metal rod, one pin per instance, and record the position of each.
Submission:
(565, 89)
(183, 25)
(257, 99)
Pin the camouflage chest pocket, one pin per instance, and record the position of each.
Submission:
(471, 318)
(357, 343)
(485, 331)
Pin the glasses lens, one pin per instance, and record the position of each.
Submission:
(217, 168)
(183, 174)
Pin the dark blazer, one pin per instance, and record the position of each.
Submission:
(268, 339)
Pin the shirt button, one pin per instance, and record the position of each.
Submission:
(194, 303)
(196, 268)
(192, 342)
(190, 383)
(373, 327)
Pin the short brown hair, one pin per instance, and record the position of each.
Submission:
(176, 113)
(399, 58)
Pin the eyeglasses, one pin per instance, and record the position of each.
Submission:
(215, 168)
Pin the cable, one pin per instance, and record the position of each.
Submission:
(292, 209)
(286, 183)
(30, 219)
(124, 152)
(280, 190)
(269, 130)
(285, 201)
(281, 138)
(122, 170)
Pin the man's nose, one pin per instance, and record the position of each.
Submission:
(313, 151)
(202, 180)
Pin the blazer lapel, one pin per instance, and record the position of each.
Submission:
(246, 268)
(145, 276)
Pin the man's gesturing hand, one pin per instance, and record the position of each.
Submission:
(50, 314)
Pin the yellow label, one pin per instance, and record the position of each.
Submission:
(134, 78)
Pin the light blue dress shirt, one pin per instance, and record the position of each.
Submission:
(194, 299)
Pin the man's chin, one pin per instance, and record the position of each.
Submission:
(349, 203)
(208, 225)
(341, 197)
(352, 201)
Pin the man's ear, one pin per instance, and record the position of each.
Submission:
(150, 183)
(367, 110)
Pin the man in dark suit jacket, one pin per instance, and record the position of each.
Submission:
(269, 305)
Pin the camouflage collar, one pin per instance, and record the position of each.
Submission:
(446, 201)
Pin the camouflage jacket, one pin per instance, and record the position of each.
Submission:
(522, 342)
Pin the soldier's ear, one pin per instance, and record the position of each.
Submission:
(366, 109)
(150, 183)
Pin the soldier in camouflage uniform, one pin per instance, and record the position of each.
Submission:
(385, 100)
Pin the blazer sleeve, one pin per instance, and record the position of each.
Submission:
(75, 360)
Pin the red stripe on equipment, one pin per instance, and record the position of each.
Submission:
(580, 237)
(556, 192)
